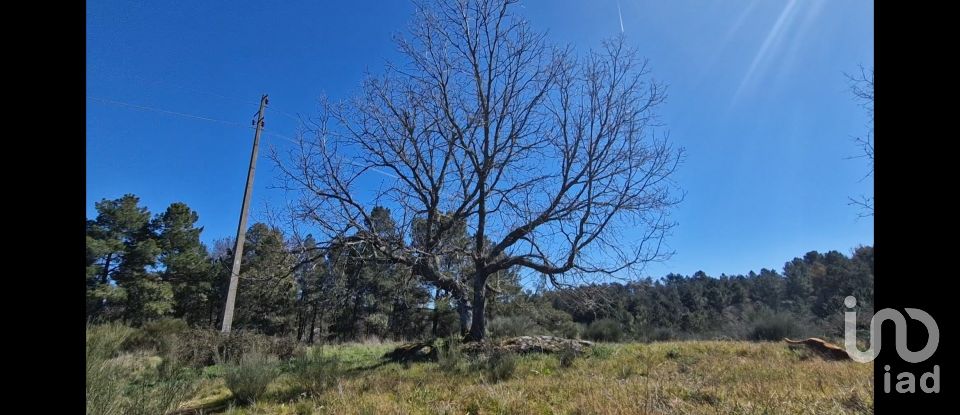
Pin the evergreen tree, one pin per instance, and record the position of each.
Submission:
(186, 263)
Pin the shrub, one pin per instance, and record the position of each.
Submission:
(449, 356)
(513, 326)
(600, 351)
(111, 390)
(801, 353)
(285, 348)
(445, 321)
(113, 387)
(104, 381)
(248, 380)
(105, 340)
(774, 327)
(303, 408)
(202, 347)
(376, 324)
(161, 392)
(662, 334)
(500, 366)
(315, 373)
(607, 330)
(153, 335)
(567, 355)
(556, 322)
(567, 329)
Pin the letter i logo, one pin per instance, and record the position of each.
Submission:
(850, 333)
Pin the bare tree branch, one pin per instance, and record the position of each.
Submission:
(862, 87)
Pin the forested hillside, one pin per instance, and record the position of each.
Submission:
(143, 266)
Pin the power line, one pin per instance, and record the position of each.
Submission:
(294, 117)
(191, 116)
(286, 114)
(193, 89)
(176, 113)
(200, 117)
(273, 134)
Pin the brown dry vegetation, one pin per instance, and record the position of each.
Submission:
(677, 377)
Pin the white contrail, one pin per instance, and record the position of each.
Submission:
(619, 13)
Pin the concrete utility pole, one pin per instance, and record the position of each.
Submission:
(242, 228)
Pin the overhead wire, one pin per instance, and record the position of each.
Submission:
(225, 122)
(160, 110)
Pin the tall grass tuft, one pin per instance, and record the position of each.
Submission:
(567, 355)
(315, 373)
(449, 356)
(248, 379)
(127, 384)
(499, 366)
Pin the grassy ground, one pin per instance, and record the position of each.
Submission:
(675, 378)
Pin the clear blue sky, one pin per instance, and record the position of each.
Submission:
(757, 96)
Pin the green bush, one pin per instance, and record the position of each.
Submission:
(376, 324)
(202, 347)
(285, 348)
(449, 355)
(104, 378)
(513, 326)
(315, 373)
(106, 340)
(662, 334)
(774, 327)
(567, 355)
(303, 408)
(606, 330)
(248, 379)
(500, 366)
(444, 321)
(160, 392)
(567, 329)
(196, 347)
(600, 351)
(115, 386)
(153, 335)
(556, 322)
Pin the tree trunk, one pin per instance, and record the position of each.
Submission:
(436, 315)
(463, 310)
(300, 321)
(211, 314)
(97, 308)
(313, 323)
(105, 276)
(478, 327)
(355, 318)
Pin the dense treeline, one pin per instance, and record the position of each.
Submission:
(805, 299)
(143, 267)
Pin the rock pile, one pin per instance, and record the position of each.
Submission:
(529, 344)
(413, 352)
(424, 351)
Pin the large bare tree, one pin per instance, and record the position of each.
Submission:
(551, 160)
